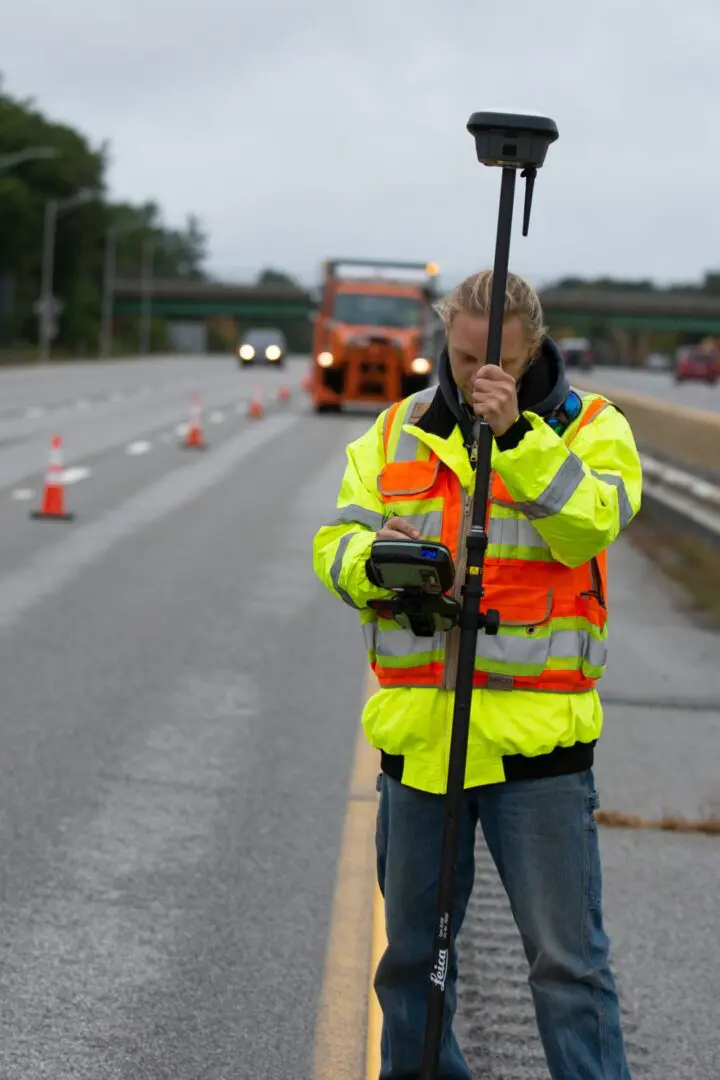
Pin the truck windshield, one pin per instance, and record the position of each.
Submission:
(377, 309)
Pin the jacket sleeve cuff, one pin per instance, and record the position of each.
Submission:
(514, 435)
(350, 575)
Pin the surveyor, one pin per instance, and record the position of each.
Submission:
(566, 479)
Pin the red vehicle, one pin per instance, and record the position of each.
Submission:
(375, 329)
(700, 363)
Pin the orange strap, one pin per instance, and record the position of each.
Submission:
(589, 415)
(389, 421)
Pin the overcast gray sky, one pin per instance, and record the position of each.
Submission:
(299, 129)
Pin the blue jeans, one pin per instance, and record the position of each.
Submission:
(543, 839)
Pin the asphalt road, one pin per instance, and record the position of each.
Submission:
(175, 746)
(179, 713)
(658, 384)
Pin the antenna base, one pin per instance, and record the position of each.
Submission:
(512, 140)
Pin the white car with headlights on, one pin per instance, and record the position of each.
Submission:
(262, 345)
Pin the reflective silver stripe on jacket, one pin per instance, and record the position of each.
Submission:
(505, 649)
(369, 630)
(352, 514)
(428, 525)
(624, 506)
(559, 491)
(336, 570)
(514, 532)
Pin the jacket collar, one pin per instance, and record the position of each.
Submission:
(436, 427)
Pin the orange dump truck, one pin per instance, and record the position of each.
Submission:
(375, 332)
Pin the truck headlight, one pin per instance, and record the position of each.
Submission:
(420, 366)
(246, 352)
(325, 359)
(272, 352)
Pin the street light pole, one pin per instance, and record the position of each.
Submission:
(8, 162)
(46, 307)
(106, 322)
(146, 295)
(46, 288)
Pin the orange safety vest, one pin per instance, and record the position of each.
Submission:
(552, 617)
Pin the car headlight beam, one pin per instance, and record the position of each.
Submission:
(420, 366)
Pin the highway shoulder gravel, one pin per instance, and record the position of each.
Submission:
(657, 755)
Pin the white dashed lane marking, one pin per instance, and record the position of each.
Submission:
(77, 473)
(74, 474)
(140, 447)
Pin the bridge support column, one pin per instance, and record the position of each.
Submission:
(641, 346)
(623, 346)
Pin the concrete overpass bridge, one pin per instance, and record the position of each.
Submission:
(201, 300)
(639, 312)
(584, 311)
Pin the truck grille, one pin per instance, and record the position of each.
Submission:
(374, 357)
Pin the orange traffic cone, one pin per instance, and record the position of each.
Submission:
(306, 383)
(194, 439)
(256, 409)
(284, 393)
(53, 504)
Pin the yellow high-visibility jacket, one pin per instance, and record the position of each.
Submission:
(558, 502)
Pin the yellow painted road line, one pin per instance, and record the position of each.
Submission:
(341, 1040)
(379, 944)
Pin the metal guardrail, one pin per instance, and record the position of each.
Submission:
(689, 496)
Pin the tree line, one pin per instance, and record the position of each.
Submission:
(42, 160)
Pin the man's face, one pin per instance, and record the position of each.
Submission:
(467, 345)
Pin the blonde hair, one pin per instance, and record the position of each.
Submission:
(472, 297)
